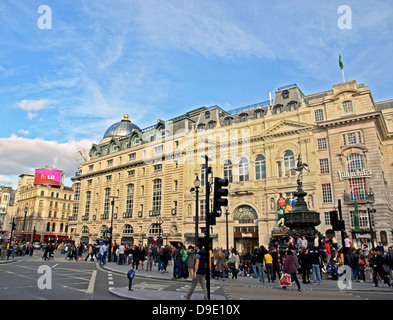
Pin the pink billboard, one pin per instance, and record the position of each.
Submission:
(44, 176)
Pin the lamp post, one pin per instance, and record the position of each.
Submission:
(111, 230)
(370, 195)
(226, 220)
(197, 184)
(24, 222)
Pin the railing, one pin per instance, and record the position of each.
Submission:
(127, 214)
(360, 197)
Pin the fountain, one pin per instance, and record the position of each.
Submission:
(301, 221)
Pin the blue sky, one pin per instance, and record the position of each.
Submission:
(61, 88)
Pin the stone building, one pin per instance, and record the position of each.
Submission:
(138, 180)
(43, 210)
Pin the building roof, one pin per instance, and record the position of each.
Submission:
(122, 128)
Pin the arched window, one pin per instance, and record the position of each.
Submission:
(243, 169)
(155, 230)
(289, 163)
(228, 171)
(260, 167)
(128, 229)
(245, 213)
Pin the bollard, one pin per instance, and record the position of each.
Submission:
(130, 276)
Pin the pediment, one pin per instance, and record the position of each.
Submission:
(285, 127)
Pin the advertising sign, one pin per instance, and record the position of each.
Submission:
(51, 177)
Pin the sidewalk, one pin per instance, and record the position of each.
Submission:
(146, 294)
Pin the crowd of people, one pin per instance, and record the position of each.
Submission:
(297, 257)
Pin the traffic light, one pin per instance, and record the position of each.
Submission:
(219, 201)
(338, 225)
(334, 218)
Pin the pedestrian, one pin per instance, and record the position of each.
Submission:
(190, 262)
(103, 250)
(316, 266)
(290, 267)
(177, 261)
(120, 252)
(220, 265)
(269, 266)
(136, 258)
(199, 272)
(376, 262)
(184, 262)
(354, 264)
(234, 263)
(150, 256)
(261, 263)
(305, 265)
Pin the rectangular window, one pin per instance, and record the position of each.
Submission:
(108, 178)
(87, 205)
(324, 165)
(132, 156)
(327, 193)
(158, 167)
(130, 198)
(322, 144)
(157, 185)
(319, 115)
(109, 162)
(107, 202)
(131, 173)
(352, 138)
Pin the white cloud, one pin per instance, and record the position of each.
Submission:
(33, 105)
(24, 132)
(20, 155)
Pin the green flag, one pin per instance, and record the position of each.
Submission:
(340, 62)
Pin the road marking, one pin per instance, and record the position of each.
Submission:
(90, 289)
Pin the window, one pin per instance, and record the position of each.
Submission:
(352, 138)
(203, 178)
(319, 115)
(130, 198)
(277, 109)
(243, 170)
(243, 117)
(87, 204)
(285, 94)
(114, 147)
(260, 168)
(258, 114)
(347, 107)
(228, 171)
(108, 178)
(322, 144)
(355, 162)
(106, 201)
(175, 185)
(201, 127)
(360, 220)
(132, 156)
(158, 167)
(158, 149)
(228, 121)
(324, 165)
(289, 163)
(109, 162)
(128, 229)
(207, 114)
(131, 173)
(211, 124)
(326, 193)
(157, 185)
(155, 230)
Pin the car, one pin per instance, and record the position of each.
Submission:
(37, 245)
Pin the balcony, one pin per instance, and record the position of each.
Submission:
(127, 214)
(360, 197)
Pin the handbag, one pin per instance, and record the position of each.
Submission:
(285, 280)
(361, 262)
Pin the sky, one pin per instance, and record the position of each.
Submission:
(70, 69)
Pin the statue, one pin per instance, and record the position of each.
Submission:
(301, 166)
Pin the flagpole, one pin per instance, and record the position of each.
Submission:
(340, 63)
(342, 71)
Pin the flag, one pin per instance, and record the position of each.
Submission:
(340, 62)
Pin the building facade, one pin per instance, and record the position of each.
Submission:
(42, 211)
(138, 181)
(7, 198)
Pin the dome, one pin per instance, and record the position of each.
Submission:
(122, 128)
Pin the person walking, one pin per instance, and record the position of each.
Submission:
(199, 272)
(290, 267)
(221, 265)
(190, 262)
(234, 263)
(261, 263)
(102, 251)
(269, 266)
(120, 251)
(315, 266)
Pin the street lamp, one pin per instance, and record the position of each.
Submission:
(370, 195)
(24, 222)
(111, 230)
(197, 184)
(226, 218)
